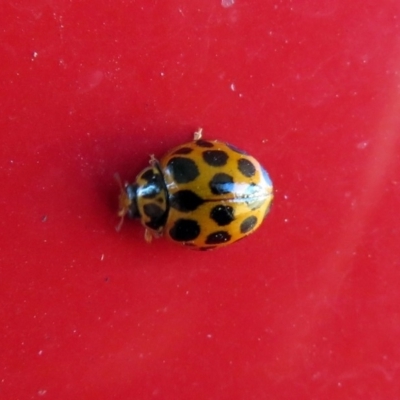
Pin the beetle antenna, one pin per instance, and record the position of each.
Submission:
(120, 223)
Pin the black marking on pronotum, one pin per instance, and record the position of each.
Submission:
(156, 214)
(184, 170)
(215, 158)
(153, 210)
(150, 190)
(185, 201)
(185, 230)
(147, 175)
(154, 184)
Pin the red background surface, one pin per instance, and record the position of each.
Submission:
(306, 308)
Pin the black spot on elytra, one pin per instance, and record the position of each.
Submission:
(215, 158)
(221, 183)
(248, 224)
(246, 167)
(184, 230)
(183, 169)
(235, 149)
(218, 237)
(156, 215)
(183, 150)
(204, 143)
(185, 201)
(222, 215)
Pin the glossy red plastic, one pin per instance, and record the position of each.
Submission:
(308, 307)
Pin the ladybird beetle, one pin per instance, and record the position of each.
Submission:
(203, 194)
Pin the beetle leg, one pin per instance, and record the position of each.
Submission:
(148, 236)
